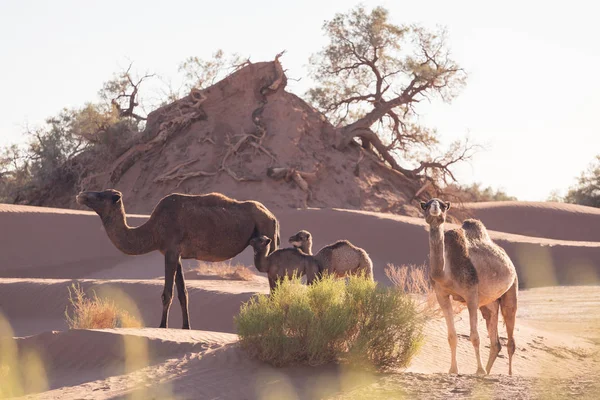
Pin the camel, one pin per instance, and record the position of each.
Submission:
(210, 227)
(283, 262)
(340, 258)
(467, 265)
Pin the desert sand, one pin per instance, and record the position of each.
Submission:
(555, 247)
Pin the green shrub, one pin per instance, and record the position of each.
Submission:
(96, 313)
(333, 320)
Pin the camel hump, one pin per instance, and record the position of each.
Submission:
(457, 251)
(475, 230)
(340, 244)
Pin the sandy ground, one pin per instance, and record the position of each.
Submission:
(45, 250)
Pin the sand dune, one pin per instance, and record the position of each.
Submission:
(84, 251)
(545, 220)
(36, 305)
(45, 250)
(119, 363)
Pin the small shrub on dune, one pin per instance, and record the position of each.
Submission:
(332, 320)
(96, 313)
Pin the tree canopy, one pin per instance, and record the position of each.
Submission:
(370, 79)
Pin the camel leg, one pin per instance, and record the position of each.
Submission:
(182, 294)
(312, 272)
(272, 283)
(446, 306)
(508, 305)
(490, 313)
(171, 260)
(472, 306)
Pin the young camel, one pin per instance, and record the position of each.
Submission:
(209, 227)
(468, 266)
(340, 258)
(283, 262)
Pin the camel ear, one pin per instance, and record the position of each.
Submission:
(447, 205)
(116, 197)
(267, 241)
(423, 205)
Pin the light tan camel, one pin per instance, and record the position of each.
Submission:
(467, 265)
(283, 262)
(210, 227)
(341, 258)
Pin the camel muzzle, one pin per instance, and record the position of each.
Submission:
(435, 211)
(81, 198)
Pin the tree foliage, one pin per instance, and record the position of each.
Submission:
(587, 190)
(106, 128)
(200, 74)
(370, 79)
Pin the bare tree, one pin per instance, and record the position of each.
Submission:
(123, 93)
(371, 77)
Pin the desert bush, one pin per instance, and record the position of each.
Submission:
(333, 320)
(95, 312)
(414, 280)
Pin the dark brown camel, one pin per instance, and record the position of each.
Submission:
(283, 262)
(210, 227)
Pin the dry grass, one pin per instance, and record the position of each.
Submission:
(96, 313)
(414, 279)
(220, 270)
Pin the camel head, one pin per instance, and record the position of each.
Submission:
(300, 238)
(260, 244)
(101, 202)
(435, 211)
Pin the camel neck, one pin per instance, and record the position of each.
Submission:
(132, 241)
(436, 252)
(307, 247)
(260, 260)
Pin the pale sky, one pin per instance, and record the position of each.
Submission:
(532, 95)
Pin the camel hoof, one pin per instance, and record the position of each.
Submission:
(480, 371)
(163, 326)
(186, 327)
(453, 371)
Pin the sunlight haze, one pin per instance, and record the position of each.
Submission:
(531, 96)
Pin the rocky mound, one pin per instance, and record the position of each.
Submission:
(248, 138)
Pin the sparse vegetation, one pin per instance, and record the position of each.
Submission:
(475, 193)
(220, 270)
(71, 144)
(95, 312)
(332, 320)
(414, 279)
(587, 190)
